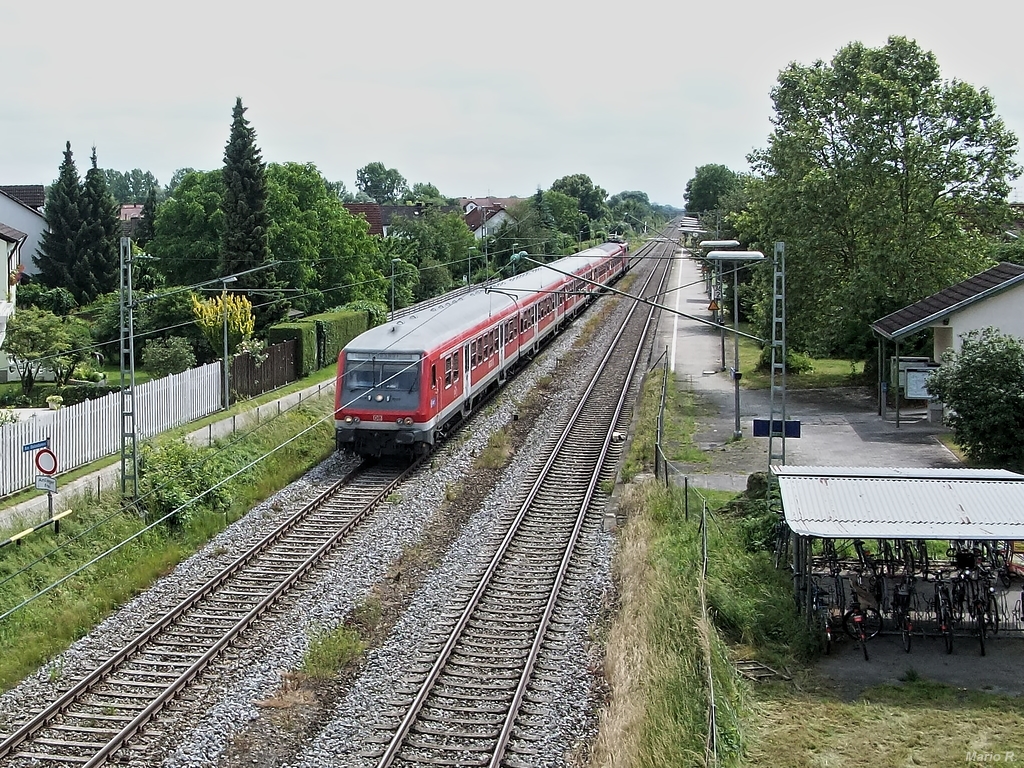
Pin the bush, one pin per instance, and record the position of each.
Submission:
(796, 362)
(162, 357)
(982, 385)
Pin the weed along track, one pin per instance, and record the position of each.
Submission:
(103, 711)
(477, 698)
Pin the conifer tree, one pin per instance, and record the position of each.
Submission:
(245, 216)
(99, 265)
(58, 251)
(147, 221)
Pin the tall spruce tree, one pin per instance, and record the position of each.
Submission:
(100, 238)
(245, 216)
(57, 256)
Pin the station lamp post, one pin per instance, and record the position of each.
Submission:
(737, 258)
(710, 245)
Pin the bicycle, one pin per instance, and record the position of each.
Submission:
(944, 610)
(862, 621)
(901, 599)
(821, 611)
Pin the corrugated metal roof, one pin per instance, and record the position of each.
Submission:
(902, 503)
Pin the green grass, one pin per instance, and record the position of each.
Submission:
(825, 372)
(329, 652)
(677, 439)
(47, 626)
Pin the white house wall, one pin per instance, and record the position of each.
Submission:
(24, 219)
(1003, 311)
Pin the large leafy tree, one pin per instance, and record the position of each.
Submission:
(99, 240)
(591, 197)
(326, 254)
(189, 229)
(883, 180)
(57, 258)
(383, 185)
(438, 245)
(245, 220)
(983, 386)
(710, 183)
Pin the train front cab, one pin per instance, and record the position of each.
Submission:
(378, 402)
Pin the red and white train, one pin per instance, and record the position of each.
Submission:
(401, 385)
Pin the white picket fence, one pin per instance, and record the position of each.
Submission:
(83, 433)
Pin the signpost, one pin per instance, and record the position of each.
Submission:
(46, 463)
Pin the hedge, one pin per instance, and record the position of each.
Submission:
(334, 330)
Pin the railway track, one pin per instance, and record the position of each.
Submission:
(468, 708)
(100, 713)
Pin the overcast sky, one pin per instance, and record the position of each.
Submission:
(477, 99)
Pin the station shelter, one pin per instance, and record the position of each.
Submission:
(879, 503)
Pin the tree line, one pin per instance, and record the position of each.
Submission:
(283, 231)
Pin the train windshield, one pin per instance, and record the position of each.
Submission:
(364, 372)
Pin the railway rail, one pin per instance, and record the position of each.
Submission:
(100, 713)
(468, 709)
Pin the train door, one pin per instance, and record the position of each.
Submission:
(467, 390)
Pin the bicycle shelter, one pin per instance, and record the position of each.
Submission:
(895, 504)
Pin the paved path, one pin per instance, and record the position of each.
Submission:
(839, 427)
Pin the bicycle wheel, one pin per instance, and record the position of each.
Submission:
(906, 628)
(992, 615)
(982, 627)
(946, 627)
(872, 622)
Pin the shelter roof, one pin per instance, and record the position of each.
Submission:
(931, 309)
(902, 503)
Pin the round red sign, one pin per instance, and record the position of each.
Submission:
(46, 461)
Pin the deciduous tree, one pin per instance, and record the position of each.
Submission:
(591, 197)
(383, 185)
(883, 180)
(710, 183)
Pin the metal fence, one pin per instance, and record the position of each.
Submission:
(91, 430)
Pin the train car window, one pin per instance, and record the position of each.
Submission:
(433, 375)
(401, 376)
(473, 353)
(448, 372)
(359, 377)
(455, 365)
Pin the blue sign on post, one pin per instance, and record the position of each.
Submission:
(791, 428)
(36, 446)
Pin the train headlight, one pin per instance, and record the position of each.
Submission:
(379, 398)
(355, 419)
(408, 420)
(348, 419)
